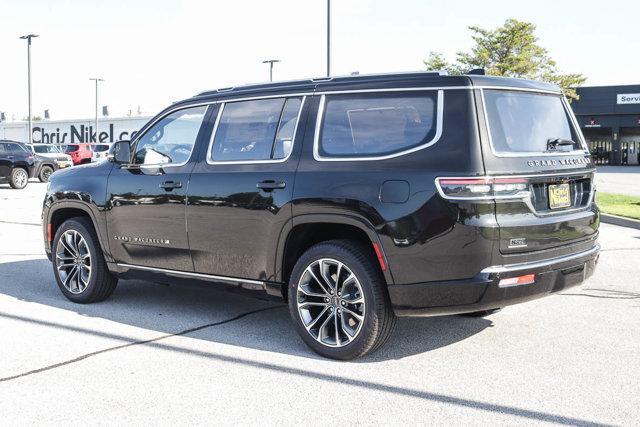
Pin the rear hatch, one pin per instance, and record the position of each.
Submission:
(533, 148)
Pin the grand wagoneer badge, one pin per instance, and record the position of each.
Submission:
(565, 162)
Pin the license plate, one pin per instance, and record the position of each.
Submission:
(559, 196)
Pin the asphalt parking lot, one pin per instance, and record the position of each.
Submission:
(618, 180)
(159, 354)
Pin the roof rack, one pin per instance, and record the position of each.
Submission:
(351, 77)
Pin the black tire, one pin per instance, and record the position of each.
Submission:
(45, 173)
(19, 178)
(379, 319)
(482, 313)
(101, 282)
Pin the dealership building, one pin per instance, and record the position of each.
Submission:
(609, 117)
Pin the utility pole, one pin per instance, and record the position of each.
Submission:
(28, 38)
(270, 62)
(328, 38)
(96, 79)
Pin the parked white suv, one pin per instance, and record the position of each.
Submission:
(53, 152)
(100, 152)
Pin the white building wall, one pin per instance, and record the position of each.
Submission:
(110, 130)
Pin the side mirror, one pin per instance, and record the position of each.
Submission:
(120, 152)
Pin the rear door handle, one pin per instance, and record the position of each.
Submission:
(270, 185)
(170, 185)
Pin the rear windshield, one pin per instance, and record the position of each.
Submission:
(101, 147)
(524, 122)
(71, 148)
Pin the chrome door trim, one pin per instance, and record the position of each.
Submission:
(190, 274)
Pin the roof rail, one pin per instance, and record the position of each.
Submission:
(324, 79)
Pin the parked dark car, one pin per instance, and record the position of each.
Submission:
(17, 164)
(356, 199)
(43, 166)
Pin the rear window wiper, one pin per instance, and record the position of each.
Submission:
(554, 143)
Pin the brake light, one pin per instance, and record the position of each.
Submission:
(485, 188)
(516, 281)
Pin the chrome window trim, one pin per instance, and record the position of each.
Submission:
(211, 161)
(190, 274)
(536, 264)
(316, 137)
(134, 142)
(507, 154)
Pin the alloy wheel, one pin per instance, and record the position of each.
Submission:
(20, 177)
(73, 261)
(46, 174)
(330, 302)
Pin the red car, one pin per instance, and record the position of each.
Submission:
(80, 153)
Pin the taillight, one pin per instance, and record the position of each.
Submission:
(485, 188)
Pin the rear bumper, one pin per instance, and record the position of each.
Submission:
(482, 292)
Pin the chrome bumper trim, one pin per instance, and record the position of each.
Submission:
(537, 264)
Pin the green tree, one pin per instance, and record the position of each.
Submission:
(510, 50)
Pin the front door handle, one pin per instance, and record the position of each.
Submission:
(270, 185)
(170, 185)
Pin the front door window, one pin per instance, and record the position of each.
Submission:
(170, 140)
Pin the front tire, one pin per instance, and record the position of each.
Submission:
(45, 173)
(338, 300)
(78, 263)
(19, 178)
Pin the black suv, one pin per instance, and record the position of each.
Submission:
(17, 164)
(355, 199)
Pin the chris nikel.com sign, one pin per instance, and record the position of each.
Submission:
(629, 98)
(77, 132)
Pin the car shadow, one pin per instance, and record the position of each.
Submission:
(170, 309)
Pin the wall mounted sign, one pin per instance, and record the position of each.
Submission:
(629, 98)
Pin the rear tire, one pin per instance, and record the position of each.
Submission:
(45, 173)
(19, 178)
(344, 313)
(76, 246)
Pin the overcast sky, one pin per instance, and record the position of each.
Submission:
(154, 52)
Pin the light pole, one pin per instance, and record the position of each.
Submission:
(96, 79)
(328, 38)
(270, 62)
(28, 38)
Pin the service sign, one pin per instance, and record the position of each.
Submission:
(629, 98)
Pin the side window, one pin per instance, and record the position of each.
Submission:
(261, 129)
(3, 148)
(17, 149)
(171, 139)
(367, 125)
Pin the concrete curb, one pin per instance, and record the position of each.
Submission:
(619, 220)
